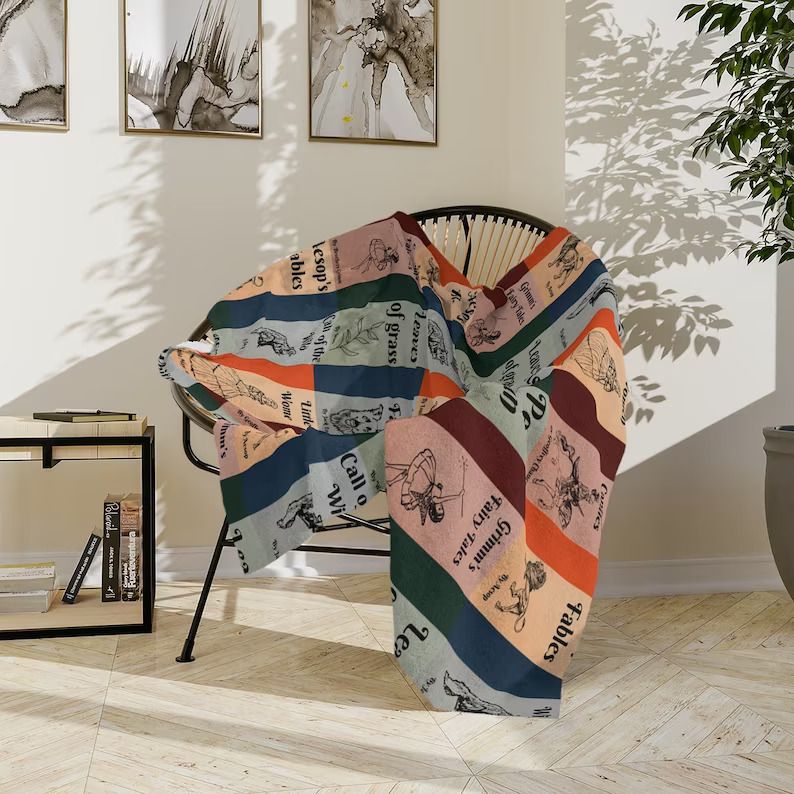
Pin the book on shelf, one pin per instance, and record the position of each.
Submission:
(32, 601)
(111, 548)
(131, 525)
(26, 577)
(76, 582)
(81, 416)
(27, 427)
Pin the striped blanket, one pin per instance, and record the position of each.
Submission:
(492, 419)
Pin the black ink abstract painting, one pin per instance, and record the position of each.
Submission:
(193, 67)
(373, 70)
(33, 64)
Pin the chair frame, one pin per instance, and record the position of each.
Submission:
(192, 413)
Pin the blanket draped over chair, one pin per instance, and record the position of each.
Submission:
(491, 417)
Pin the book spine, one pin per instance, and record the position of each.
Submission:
(130, 550)
(111, 546)
(76, 582)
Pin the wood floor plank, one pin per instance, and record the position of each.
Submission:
(620, 779)
(702, 778)
(740, 732)
(690, 726)
(685, 624)
(771, 769)
(633, 727)
(759, 629)
(709, 634)
(567, 733)
(666, 610)
(546, 781)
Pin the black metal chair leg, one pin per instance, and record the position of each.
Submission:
(187, 649)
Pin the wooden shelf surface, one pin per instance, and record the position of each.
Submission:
(87, 611)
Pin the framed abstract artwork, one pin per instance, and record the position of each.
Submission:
(193, 67)
(373, 66)
(33, 65)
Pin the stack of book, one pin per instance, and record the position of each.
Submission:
(121, 547)
(27, 587)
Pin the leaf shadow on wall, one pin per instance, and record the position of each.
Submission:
(200, 216)
(633, 187)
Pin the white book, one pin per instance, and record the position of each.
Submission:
(35, 601)
(24, 578)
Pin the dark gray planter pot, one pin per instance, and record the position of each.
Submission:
(779, 448)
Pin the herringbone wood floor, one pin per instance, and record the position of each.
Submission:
(294, 690)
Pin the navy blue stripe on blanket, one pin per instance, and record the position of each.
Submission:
(266, 482)
(396, 382)
(434, 593)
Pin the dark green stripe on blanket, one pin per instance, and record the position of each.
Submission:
(475, 641)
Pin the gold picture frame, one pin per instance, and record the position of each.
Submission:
(127, 130)
(380, 141)
(47, 126)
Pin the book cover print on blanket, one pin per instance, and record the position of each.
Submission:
(492, 418)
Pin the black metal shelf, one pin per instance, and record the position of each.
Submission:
(148, 565)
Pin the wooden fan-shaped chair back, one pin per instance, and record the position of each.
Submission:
(483, 242)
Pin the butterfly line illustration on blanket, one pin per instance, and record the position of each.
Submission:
(534, 579)
(421, 489)
(596, 361)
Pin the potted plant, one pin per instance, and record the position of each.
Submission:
(753, 134)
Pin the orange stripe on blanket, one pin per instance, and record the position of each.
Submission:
(603, 319)
(546, 246)
(298, 376)
(434, 384)
(555, 548)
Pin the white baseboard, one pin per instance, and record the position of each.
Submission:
(616, 579)
(696, 575)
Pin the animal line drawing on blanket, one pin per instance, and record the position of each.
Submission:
(267, 337)
(352, 421)
(534, 579)
(421, 489)
(568, 261)
(466, 701)
(568, 491)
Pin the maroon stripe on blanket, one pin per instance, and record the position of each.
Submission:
(576, 406)
(486, 445)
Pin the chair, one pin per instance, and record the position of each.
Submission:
(483, 243)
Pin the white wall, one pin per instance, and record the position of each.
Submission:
(115, 246)
(692, 481)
